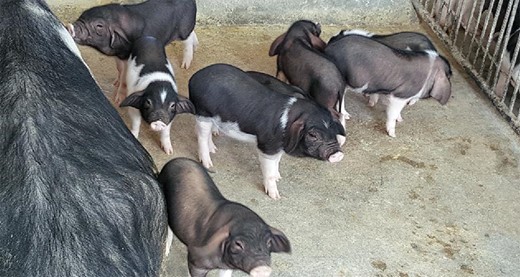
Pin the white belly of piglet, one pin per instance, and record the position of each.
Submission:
(232, 130)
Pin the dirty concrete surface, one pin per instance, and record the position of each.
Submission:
(441, 199)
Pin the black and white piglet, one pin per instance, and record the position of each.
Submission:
(276, 85)
(113, 28)
(152, 90)
(301, 62)
(78, 193)
(370, 66)
(242, 108)
(219, 234)
(412, 41)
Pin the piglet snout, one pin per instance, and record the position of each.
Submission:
(70, 28)
(336, 157)
(158, 125)
(260, 271)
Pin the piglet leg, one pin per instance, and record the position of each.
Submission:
(166, 143)
(169, 240)
(393, 113)
(135, 121)
(372, 99)
(190, 45)
(269, 165)
(203, 128)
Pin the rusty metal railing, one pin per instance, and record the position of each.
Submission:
(478, 33)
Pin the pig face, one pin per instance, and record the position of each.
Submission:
(108, 28)
(441, 89)
(159, 104)
(251, 251)
(316, 137)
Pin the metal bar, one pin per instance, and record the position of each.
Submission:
(468, 63)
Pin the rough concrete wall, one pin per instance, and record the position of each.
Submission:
(343, 12)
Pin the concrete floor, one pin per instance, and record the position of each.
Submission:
(441, 199)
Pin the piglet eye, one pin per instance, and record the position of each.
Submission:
(237, 246)
(172, 105)
(269, 243)
(99, 26)
(147, 104)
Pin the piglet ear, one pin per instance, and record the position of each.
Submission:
(441, 87)
(279, 242)
(295, 135)
(317, 42)
(275, 46)
(135, 100)
(184, 106)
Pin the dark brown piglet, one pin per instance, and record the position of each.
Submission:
(219, 234)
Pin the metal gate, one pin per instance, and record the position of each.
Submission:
(483, 36)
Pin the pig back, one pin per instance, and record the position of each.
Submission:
(228, 92)
(73, 180)
(191, 198)
(167, 20)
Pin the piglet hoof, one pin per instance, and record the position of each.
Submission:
(391, 132)
(206, 162)
(212, 148)
(167, 148)
(336, 157)
(260, 271)
(271, 188)
(70, 29)
(186, 64)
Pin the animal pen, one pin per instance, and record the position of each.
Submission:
(483, 38)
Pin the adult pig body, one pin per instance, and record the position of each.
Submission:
(217, 232)
(245, 109)
(78, 194)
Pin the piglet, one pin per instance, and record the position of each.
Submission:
(412, 41)
(301, 62)
(370, 66)
(241, 107)
(113, 28)
(218, 233)
(152, 91)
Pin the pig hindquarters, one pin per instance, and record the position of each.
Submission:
(405, 76)
(242, 108)
(78, 194)
(301, 62)
(217, 232)
(112, 29)
(411, 41)
(152, 91)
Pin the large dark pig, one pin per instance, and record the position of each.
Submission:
(241, 107)
(152, 91)
(301, 62)
(218, 233)
(113, 28)
(78, 193)
(412, 41)
(370, 66)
